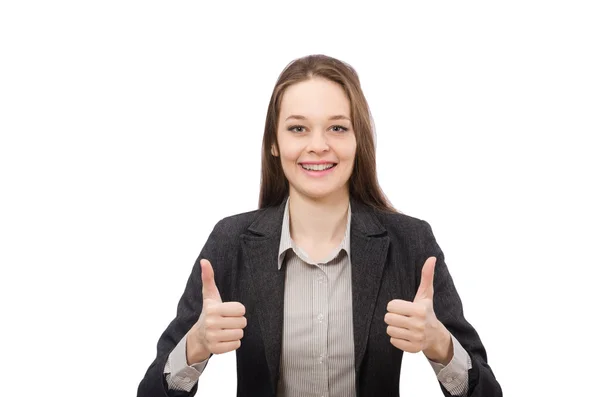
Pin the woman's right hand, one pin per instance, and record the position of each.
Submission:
(220, 327)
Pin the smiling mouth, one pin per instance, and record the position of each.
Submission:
(317, 167)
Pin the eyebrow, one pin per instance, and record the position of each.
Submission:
(336, 117)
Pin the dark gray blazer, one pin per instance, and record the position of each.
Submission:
(387, 254)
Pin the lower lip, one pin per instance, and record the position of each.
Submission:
(318, 174)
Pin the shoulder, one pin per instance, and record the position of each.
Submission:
(405, 227)
(236, 224)
(225, 235)
(399, 221)
(396, 225)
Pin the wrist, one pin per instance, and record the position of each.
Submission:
(195, 351)
(441, 350)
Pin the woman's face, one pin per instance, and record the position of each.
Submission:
(316, 141)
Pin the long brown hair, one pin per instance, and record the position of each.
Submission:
(364, 187)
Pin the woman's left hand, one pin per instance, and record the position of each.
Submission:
(414, 327)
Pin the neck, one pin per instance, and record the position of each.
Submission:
(318, 221)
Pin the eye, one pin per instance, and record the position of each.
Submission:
(294, 128)
(339, 128)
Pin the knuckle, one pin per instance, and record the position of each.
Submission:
(212, 336)
(210, 309)
(210, 322)
(420, 326)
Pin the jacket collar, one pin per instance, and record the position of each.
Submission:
(269, 222)
(260, 245)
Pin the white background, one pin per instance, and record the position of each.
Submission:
(129, 128)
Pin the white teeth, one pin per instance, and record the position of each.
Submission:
(316, 167)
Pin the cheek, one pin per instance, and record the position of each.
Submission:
(350, 153)
(288, 162)
(349, 149)
(289, 153)
(288, 157)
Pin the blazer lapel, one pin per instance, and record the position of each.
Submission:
(368, 252)
(260, 248)
(369, 244)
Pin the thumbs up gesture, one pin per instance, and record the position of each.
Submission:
(414, 327)
(220, 327)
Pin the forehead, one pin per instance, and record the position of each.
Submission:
(314, 98)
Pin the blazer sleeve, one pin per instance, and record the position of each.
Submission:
(448, 308)
(188, 311)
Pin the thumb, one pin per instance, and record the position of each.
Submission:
(425, 290)
(209, 288)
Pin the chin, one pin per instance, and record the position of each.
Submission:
(319, 194)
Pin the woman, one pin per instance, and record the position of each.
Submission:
(323, 288)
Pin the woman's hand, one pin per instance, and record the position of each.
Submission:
(220, 327)
(414, 327)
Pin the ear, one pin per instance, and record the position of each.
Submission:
(274, 151)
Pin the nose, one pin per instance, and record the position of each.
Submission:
(318, 142)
